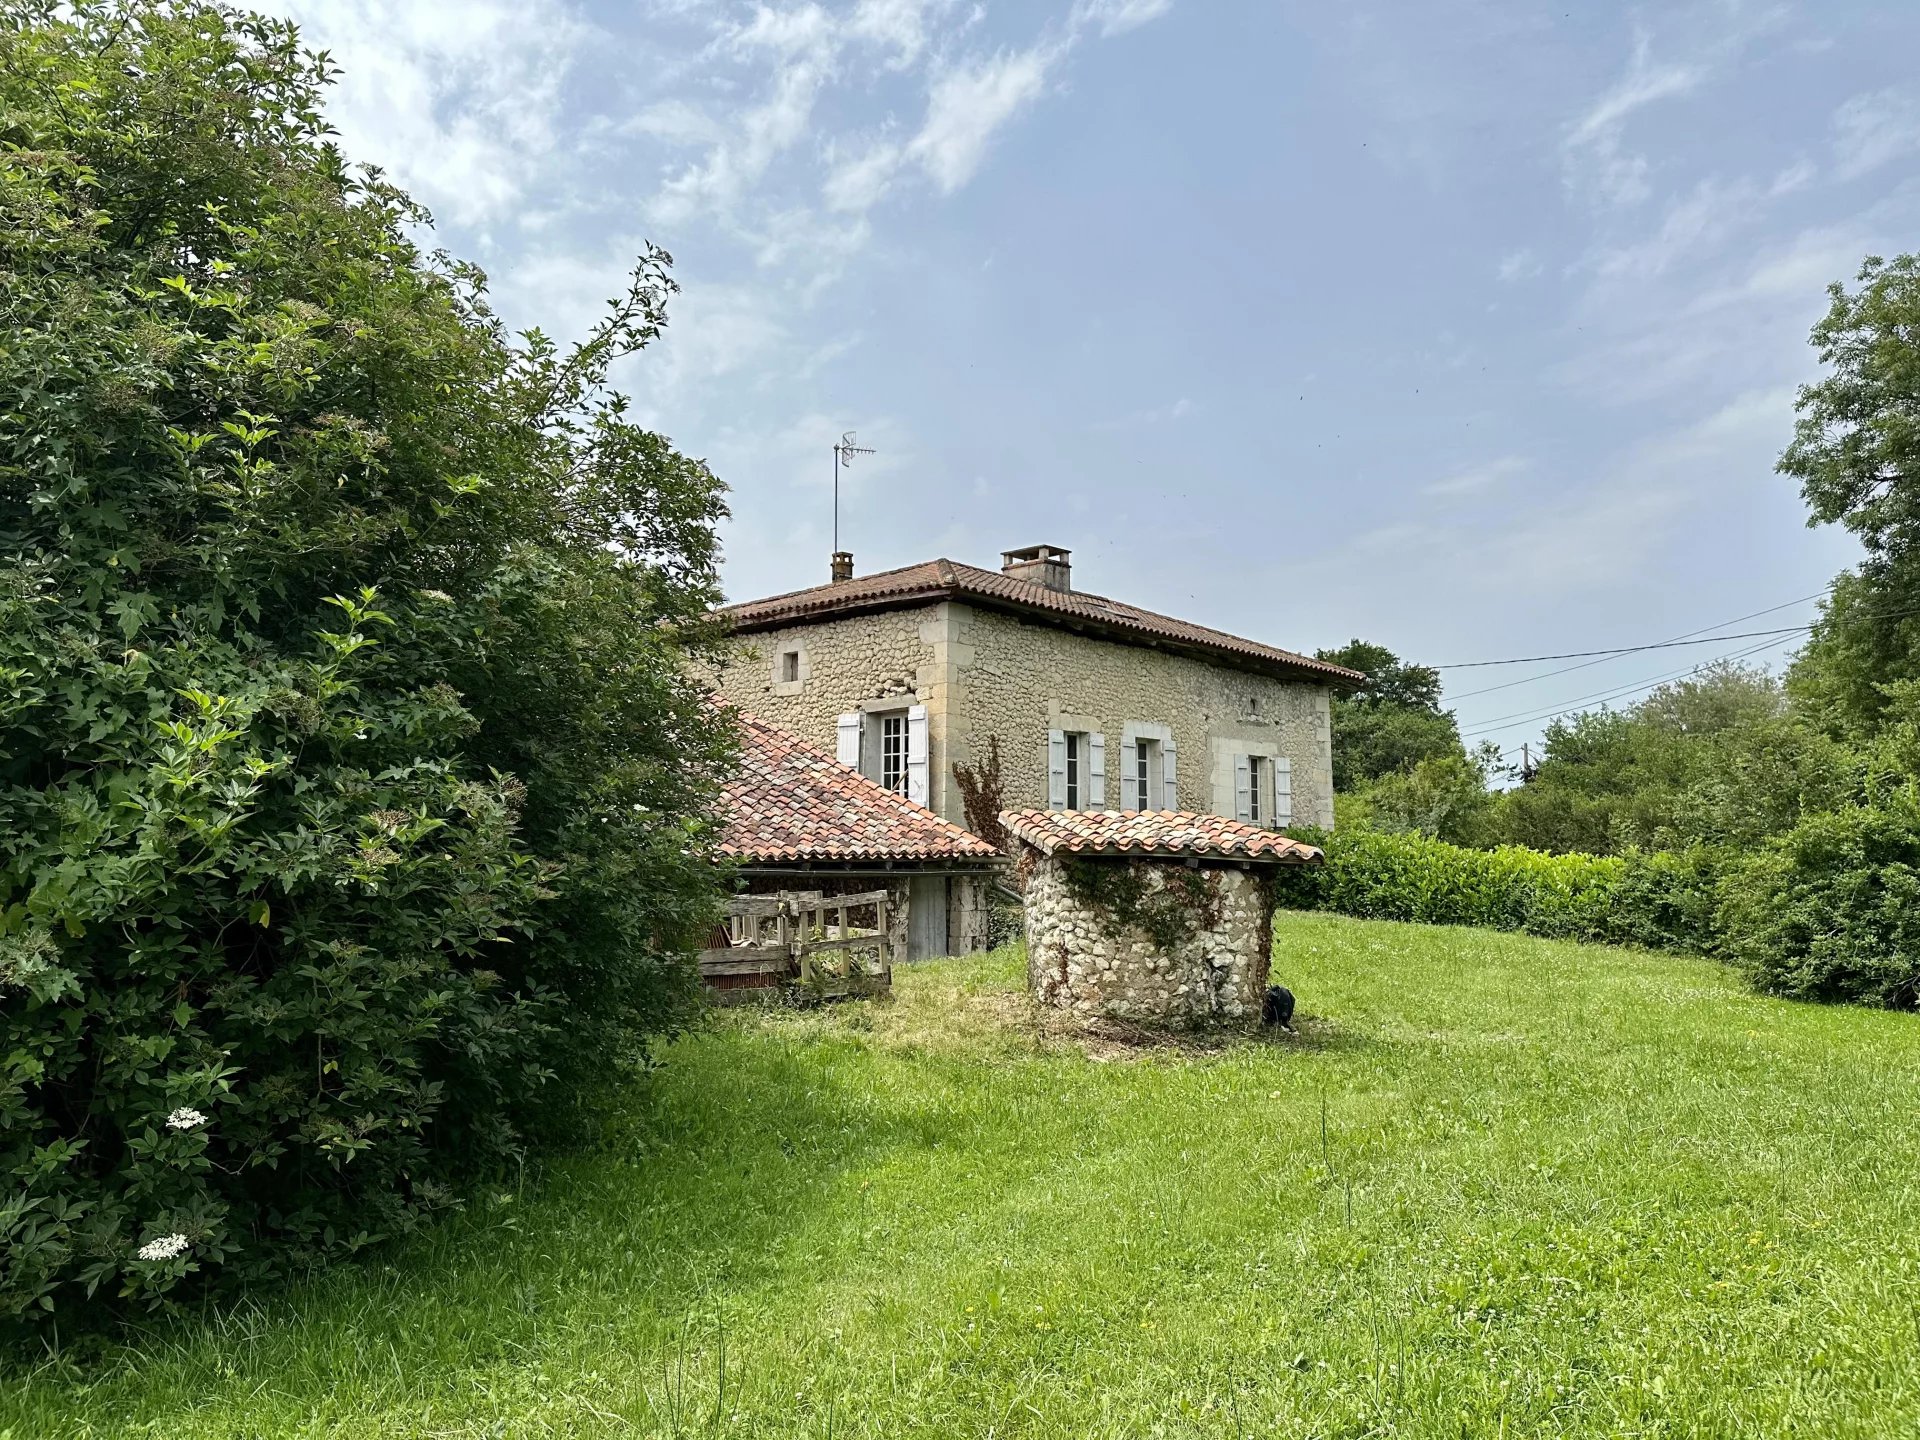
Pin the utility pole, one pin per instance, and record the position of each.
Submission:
(843, 454)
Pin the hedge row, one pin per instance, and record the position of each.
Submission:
(1661, 900)
(1829, 910)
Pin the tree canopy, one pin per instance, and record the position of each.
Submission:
(353, 790)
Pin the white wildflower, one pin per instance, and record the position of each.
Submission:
(185, 1119)
(165, 1248)
(359, 734)
(442, 596)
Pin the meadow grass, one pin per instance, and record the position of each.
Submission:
(1495, 1186)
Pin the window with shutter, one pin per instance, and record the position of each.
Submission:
(1056, 769)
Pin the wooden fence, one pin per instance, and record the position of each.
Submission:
(831, 944)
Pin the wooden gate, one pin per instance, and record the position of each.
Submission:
(832, 944)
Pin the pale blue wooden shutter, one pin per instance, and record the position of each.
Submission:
(1056, 769)
(1169, 756)
(846, 739)
(1282, 792)
(1097, 772)
(1242, 787)
(917, 755)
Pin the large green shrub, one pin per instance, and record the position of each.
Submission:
(350, 782)
(1831, 909)
(1654, 900)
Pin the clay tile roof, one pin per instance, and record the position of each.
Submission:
(935, 580)
(791, 802)
(1152, 832)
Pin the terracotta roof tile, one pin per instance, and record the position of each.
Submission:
(1152, 832)
(791, 802)
(943, 579)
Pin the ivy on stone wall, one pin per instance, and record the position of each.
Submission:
(1170, 911)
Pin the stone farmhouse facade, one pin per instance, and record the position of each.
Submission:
(1094, 704)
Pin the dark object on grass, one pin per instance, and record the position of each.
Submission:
(1277, 1007)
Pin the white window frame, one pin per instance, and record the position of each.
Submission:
(893, 751)
(1156, 741)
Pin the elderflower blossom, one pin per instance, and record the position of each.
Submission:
(185, 1118)
(165, 1248)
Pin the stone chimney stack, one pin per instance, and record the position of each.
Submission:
(842, 566)
(1046, 565)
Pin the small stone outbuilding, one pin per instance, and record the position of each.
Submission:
(1159, 916)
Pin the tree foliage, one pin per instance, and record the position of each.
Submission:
(1856, 454)
(352, 792)
(1392, 722)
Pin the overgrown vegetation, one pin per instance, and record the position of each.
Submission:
(351, 792)
(1497, 1185)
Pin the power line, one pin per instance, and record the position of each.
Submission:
(1623, 650)
(1589, 664)
(1569, 707)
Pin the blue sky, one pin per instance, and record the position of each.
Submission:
(1469, 328)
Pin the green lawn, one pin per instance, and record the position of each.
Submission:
(1498, 1186)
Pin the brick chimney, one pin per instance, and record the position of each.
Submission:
(1046, 565)
(842, 566)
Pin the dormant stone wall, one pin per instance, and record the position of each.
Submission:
(1018, 681)
(1080, 959)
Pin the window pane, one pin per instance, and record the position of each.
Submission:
(893, 752)
(1073, 772)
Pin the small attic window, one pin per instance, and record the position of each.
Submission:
(789, 669)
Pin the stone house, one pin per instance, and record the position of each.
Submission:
(1093, 703)
(795, 819)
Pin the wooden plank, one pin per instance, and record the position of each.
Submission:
(760, 965)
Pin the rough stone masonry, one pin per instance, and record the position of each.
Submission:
(1082, 957)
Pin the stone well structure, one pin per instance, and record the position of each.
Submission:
(1155, 916)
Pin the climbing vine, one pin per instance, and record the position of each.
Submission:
(982, 795)
(1182, 904)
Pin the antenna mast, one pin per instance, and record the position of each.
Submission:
(843, 454)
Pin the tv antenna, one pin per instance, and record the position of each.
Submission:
(843, 454)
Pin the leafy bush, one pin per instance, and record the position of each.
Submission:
(1657, 901)
(351, 784)
(1831, 909)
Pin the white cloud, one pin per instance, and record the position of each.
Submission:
(1875, 129)
(1519, 265)
(460, 102)
(967, 104)
(859, 183)
(1116, 17)
(1477, 478)
(1593, 150)
(902, 26)
(802, 45)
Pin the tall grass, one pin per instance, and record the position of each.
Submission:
(1497, 1185)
